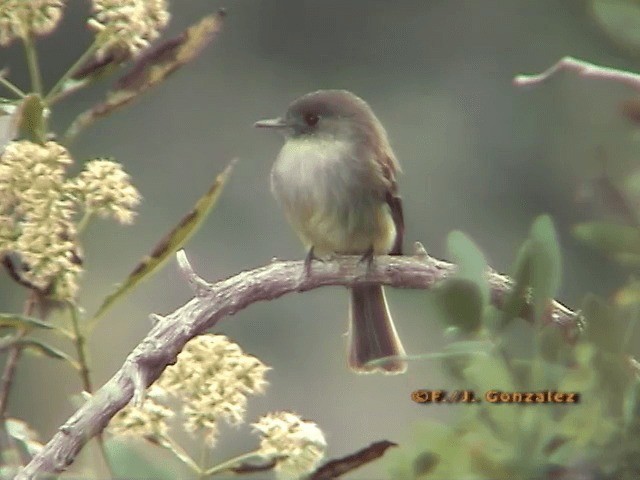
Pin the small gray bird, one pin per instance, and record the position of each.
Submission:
(335, 179)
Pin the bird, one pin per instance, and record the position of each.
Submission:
(335, 179)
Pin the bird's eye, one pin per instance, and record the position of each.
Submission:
(311, 119)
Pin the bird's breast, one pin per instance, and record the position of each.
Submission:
(332, 197)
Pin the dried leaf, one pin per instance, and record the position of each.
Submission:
(11, 320)
(153, 68)
(92, 71)
(336, 468)
(40, 348)
(170, 243)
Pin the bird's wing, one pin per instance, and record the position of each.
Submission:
(389, 168)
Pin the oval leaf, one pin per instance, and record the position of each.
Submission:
(461, 303)
(471, 262)
(603, 326)
(545, 264)
(611, 239)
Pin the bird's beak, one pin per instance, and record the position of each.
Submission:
(271, 123)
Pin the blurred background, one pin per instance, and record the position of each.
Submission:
(478, 155)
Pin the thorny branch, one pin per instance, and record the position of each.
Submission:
(214, 301)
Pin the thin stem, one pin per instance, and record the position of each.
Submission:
(53, 95)
(233, 462)
(40, 129)
(204, 451)
(8, 449)
(80, 343)
(167, 442)
(84, 221)
(8, 375)
(13, 88)
(10, 367)
(33, 64)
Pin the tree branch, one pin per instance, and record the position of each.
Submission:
(582, 68)
(226, 297)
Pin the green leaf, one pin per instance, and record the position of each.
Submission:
(457, 356)
(588, 423)
(603, 324)
(32, 121)
(552, 345)
(515, 302)
(627, 259)
(631, 406)
(151, 69)
(545, 264)
(536, 273)
(170, 243)
(632, 182)
(614, 240)
(628, 295)
(412, 459)
(471, 262)
(460, 302)
(581, 377)
(425, 463)
(40, 348)
(11, 320)
(619, 19)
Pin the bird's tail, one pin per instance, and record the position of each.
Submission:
(372, 334)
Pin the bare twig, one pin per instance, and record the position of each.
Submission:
(582, 68)
(170, 333)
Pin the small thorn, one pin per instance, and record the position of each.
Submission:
(419, 250)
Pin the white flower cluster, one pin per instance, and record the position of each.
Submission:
(36, 216)
(22, 18)
(38, 206)
(211, 379)
(107, 190)
(128, 25)
(297, 445)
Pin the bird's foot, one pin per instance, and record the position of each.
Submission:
(311, 256)
(368, 258)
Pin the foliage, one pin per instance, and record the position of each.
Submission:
(591, 431)
(44, 211)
